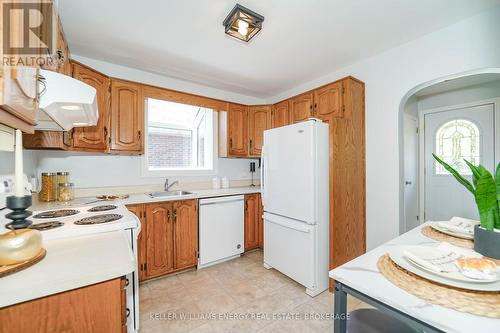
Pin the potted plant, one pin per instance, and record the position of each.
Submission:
(486, 191)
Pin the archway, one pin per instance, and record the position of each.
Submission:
(474, 86)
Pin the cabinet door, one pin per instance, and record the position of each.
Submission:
(280, 114)
(301, 107)
(127, 116)
(93, 138)
(185, 233)
(260, 222)
(159, 239)
(328, 101)
(251, 227)
(138, 210)
(237, 130)
(259, 119)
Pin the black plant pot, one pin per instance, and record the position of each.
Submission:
(487, 242)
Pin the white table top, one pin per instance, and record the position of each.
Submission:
(363, 275)
(70, 263)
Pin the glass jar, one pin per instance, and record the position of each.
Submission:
(48, 190)
(62, 177)
(66, 192)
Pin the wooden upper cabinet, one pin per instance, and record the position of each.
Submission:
(237, 130)
(251, 221)
(301, 107)
(94, 138)
(280, 114)
(19, 97)
(328, 101)
(159, 239)
(259, 119)
(185, 233)
(127, 117)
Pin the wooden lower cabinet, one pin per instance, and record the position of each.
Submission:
(168, 241)
(159, 239)
(252, 231)
(260, 222)
(185, 233)
(139, 211)
(96, 308)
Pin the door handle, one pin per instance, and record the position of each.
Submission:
(407, 182)
(175, 215)
(168, 216)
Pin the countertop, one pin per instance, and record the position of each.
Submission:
(144, 198)
(363, 275)
(70, 263)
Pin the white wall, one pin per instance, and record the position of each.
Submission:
(88, 170)
(7, 163)
(467, 45)
(460, 96)
(133, 74)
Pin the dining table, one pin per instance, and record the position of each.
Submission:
(362, 279)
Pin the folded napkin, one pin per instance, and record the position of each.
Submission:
(459, 225)
(439, 259)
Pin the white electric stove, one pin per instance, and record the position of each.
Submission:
(74, 221)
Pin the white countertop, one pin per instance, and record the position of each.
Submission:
(70, 263)
(197, 194)
(363, 275)
(144, 198)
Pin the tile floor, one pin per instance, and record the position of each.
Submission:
(242, 291)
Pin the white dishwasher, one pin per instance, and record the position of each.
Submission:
(221, 229)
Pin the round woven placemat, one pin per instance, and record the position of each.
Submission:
(442, 237)
(480, 303)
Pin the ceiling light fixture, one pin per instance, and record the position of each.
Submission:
(242, 23)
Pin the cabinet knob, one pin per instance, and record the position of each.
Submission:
(168, 216)
(139, 134)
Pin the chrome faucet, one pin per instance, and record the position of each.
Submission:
(166, 186)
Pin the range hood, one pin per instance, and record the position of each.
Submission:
(65, 103)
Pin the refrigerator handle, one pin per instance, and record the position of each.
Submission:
(262, 175)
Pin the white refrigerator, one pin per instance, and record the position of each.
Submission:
(295, 195)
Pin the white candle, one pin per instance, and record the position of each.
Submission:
(19, 174)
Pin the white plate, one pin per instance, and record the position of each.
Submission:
(434, 225)
(449, 279)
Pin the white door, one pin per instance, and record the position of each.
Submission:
(454, 135)
(289, 171)
(410, 172)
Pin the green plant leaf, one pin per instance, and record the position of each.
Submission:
(497, 180)
(461, 179)
(475, 172)
(486, 198)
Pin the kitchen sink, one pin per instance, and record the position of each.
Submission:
(169, 194)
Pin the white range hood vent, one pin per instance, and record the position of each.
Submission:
(65, 103)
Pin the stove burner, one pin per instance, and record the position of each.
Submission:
(50, 214)
(97, 219)
(102, 208)
(46, 225)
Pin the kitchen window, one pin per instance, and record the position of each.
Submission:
(180, 139)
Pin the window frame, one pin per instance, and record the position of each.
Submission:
(147, 173)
